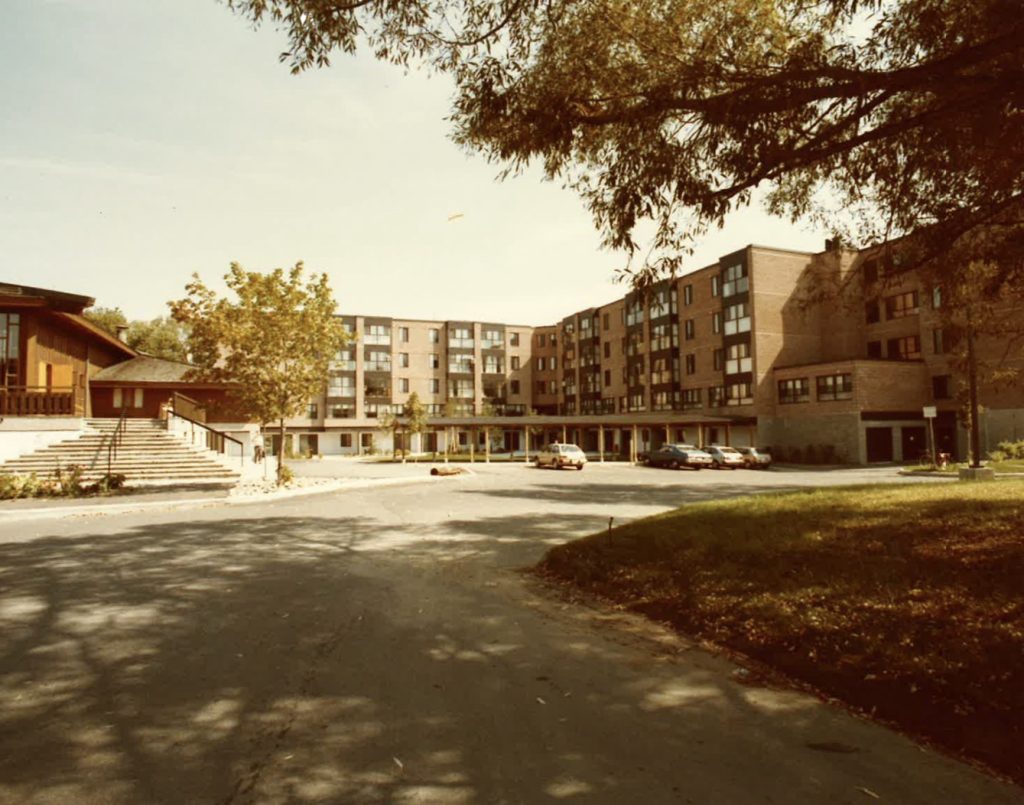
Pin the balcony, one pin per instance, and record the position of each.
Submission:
(38, 401)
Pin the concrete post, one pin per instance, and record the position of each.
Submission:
(526, 443)
(472, 444)
(600, 443)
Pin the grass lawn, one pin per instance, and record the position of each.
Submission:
(906, 602)
(1012, 465)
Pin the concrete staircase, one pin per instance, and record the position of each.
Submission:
(147, 455)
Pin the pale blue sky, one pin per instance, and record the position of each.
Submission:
(142, 140)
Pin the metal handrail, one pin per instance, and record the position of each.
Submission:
(214, 438)
(116, 438)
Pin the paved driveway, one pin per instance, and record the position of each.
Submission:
(381, 646)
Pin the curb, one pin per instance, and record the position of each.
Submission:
(227, 500)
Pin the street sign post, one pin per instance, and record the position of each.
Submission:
(929, 414)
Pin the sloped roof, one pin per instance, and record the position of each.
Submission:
(144, 370)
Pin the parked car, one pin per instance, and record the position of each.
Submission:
(675, 456)
(723, 457)
(561, 455)
(755, 459)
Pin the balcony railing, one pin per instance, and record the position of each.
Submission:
(38, 401)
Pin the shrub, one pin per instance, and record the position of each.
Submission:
(287, 476)
(1011, 450)
(997, 455)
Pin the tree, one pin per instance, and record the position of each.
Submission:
(882, 118)
(161, 337)
(273, 341)
(109, 318)
(412, 419)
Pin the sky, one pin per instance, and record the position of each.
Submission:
(143, 141)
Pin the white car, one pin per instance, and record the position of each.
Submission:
(728, 457)
(561, 455)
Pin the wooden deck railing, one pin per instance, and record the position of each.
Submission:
(37, 401)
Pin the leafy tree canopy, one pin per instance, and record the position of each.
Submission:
(161, 337)
(274, 340)
(109, 318)
(884, 118)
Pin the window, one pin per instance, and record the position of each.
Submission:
(663, 303)
(691, 364)
(797, 390)
(435, 386)
(719, 359)
(435, 335)
(460, 364)
(907, 348)
(936, 297)
(494, 364)
(552, 387)
(606, 321)
(403, 334)
(687, 294)
(462, 389)
(312, 410)
(835, 387)
(552, 362)
(339, 385)
(346, 411)
(377, 334)
(403, 360)
(492, 339)
(344, 440)
(872, 312)
(541, 364)
(938, 341)
(10, 349)
(716, 396)
(739, 394)
(345, 359)
(737, 319)
(513, 340)
(664, 400)
(403, 385)
(691, 399)
(900, 305)
(541, 339)
(688, 329)
(716, 283)
(607, 349)
(940, 387)
(435, 360)
(378, 361)
(634, 313)
(735, 280)
(738, 359)
(514, 363)
(366, 441)
(874, 349)
(716, 322)
(461, 337)
(607, 377)
(664, 336)
(373, 387)
(514, 386)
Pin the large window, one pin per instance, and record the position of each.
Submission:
(664, 400)
(376, 387)
(735, 280)
(663, 303)
(494, 364)
(907, 348)
(341, 385)
(377, 334)
(739, 394)
(796, 390)
(663, 336)
(492, 339)
(378, 361)
(460, 364)
(691, 399)
(461, 389)
(345, 359)
(461, 337)
(634, 314)
(738, 359)
(716, 396)
(835, 387)
(900, 305)
(737, 319)
(10, 348)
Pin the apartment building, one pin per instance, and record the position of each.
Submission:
(815, 355)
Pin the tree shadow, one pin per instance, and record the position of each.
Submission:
(343, 659)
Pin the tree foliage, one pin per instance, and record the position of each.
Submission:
(273, 341)
(884, 118)
(109, 318)
(161, 337)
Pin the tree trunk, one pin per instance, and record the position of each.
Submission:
(972, 385)
(280, 454)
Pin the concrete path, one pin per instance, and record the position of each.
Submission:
(381, 646)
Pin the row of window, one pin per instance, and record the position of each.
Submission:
(380, 361)
(829, 387)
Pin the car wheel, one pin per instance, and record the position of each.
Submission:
(673, 465)
(579, 467)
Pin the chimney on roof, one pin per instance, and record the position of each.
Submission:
(833, 244)
(122, 332)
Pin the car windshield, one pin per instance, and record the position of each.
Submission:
(729, 451)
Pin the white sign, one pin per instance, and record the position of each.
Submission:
(930, 412)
